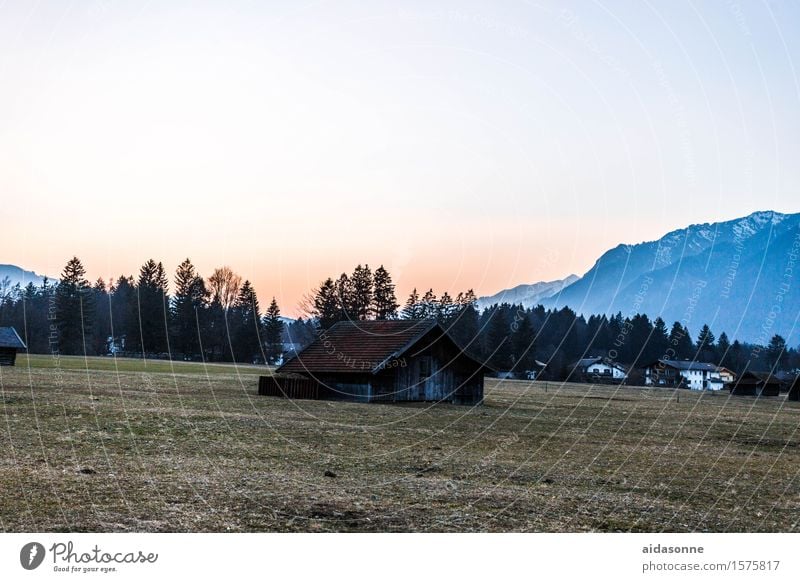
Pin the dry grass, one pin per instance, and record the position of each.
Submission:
(99, 450)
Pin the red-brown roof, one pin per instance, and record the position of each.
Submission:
(359, 346)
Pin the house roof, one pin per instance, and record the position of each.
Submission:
(9, 338)
(757, 378)
(688, 365)
(361, 346)
(586, 362)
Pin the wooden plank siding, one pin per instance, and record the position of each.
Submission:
(289, 387)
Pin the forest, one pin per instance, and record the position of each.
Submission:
(219, 318)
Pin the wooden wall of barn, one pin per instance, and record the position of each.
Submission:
(452, 377)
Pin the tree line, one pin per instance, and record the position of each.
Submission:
(513, 337)
(215, 319)
(220, 319)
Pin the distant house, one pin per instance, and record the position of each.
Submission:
(597, 369)
(685, 374)
(10, 343)
(115, 345)
(381, 361)
(535, 370)
(756, 384)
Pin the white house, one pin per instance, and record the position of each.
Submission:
(687, 374)
(599, 369)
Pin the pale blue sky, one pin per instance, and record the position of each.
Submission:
(463, 144)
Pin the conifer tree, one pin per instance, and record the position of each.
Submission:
(188, 305)
(326, 304)
(412, 310)
(384, 301)
(74, 309)
(361, 293)
(273, 332)
(246, 325)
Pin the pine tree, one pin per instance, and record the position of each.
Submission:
(522, 341)
(445, 308)
(428, 305)
(361, 298)
(659, 342)
(412, 307)
(680, 342)
(326, 308)
(273, 332)
(384, 301)
(705, 345)
(776, 352)
(102, 317)
(344, 298)
(188, 305)
(723, 349)
(499, 348)
(74, 309)
(246, 325)
(153, 308)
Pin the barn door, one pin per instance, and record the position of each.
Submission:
(423, 377)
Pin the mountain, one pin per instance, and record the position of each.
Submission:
(528, 295)
(741, 276)
(17, 275)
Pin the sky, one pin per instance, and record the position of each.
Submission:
(460, 144)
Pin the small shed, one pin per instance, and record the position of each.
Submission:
(381, 361)
(756, 384)
(10, 343)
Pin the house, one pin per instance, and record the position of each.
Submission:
(727, 375)
(685, 374)
(10, 343)
(756, 384)
(385, 361)
(535, 370)
(596, 369)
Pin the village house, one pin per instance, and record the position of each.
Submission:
(10, 343)
(597, 369)
(535, 370)
(685, 374)
(381, 361)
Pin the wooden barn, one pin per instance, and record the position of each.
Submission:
(756, 384)
(381, 361)
(10, 342)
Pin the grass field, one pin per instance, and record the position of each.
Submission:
(99, 445)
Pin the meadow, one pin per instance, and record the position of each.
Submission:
(100, 444)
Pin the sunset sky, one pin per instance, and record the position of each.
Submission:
(459, 144)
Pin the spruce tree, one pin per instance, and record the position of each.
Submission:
(273, 332)
(74, 309)
(188, 305)
(327, 306)
(412, 310)
(153, 308)
(384, 301)
(776, 352)
(361, 293)
(246, 325)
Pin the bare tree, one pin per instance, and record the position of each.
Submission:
(224, 286)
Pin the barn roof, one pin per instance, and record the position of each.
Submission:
(361, 346)
(9, 338)
(687, 365)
